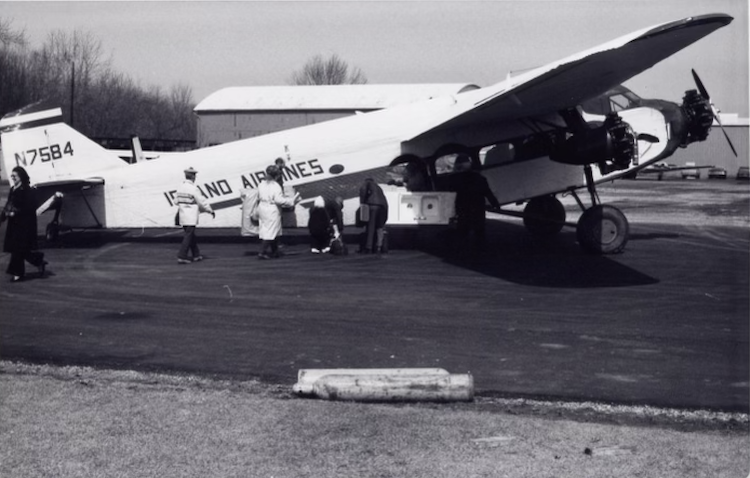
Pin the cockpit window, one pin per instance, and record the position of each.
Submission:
(619, 102)
(615, 100)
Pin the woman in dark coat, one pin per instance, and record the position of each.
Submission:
(20, 235)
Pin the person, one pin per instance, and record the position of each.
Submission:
(325, 224)
(319, 226)
(373, 200)
(335, 210)
(416, 178)
(279, 162)
(471, 190)
(191, 204)
(21, 232)
(270, 201)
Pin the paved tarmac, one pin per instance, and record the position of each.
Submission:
(664, 324)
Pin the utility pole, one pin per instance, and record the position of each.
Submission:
(72, 92)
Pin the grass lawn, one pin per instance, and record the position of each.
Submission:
(76, 422)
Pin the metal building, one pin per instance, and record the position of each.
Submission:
(236, 113)
(715, 151)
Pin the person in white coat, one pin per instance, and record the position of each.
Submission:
(191, 203)
(270, 201)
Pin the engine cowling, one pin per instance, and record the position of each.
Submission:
(699, 116)
(613, 144)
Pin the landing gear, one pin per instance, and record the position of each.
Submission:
(544, 216)
(601, 229)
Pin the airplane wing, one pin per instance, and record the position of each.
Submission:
(569, 82)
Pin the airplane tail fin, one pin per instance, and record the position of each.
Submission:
(36, 138)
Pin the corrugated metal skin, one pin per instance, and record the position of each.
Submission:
(716, 152)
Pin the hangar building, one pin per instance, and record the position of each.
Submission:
(242, 112)
(715, 151)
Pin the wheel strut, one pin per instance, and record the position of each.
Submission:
(591, 185)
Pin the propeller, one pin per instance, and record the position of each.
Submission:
(714, 110)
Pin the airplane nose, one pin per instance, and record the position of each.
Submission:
(697, 110)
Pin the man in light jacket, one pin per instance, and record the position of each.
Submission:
(191, 203)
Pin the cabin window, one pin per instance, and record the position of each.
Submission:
(445, 164)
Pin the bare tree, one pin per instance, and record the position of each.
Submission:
(69, 71)
(13, 69)
(66, 68)
(328, 71)
(9, 36)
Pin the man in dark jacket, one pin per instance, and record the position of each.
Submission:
(372, 197)
(472, 190)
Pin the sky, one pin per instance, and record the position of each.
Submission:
(213, 45)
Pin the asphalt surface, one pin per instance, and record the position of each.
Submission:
(664, 324)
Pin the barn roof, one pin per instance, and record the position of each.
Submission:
(325, 97)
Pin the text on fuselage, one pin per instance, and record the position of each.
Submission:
(223, 187)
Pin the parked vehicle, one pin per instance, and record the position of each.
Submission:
(717, 173)
(691, 172)
(743, 173)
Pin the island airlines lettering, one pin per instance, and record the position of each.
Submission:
(223, 187)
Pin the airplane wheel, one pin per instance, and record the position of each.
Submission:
(544, 216)
(52, 232)
(603, 230)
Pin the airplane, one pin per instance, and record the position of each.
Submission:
(556, 129)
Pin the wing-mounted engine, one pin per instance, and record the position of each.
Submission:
(612, 145)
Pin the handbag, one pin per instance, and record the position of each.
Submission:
(254, 214)
(364, 212)
(250, 201)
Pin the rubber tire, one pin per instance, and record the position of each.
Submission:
(544, 216)
(603, 229)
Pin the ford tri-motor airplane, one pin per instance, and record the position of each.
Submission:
(555, 129)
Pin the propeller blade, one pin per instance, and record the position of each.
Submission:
(714, 110)
(699, 84)
(725, 133)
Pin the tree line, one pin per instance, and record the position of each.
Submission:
(69, 70)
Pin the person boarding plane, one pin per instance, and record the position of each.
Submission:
(533, 136)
